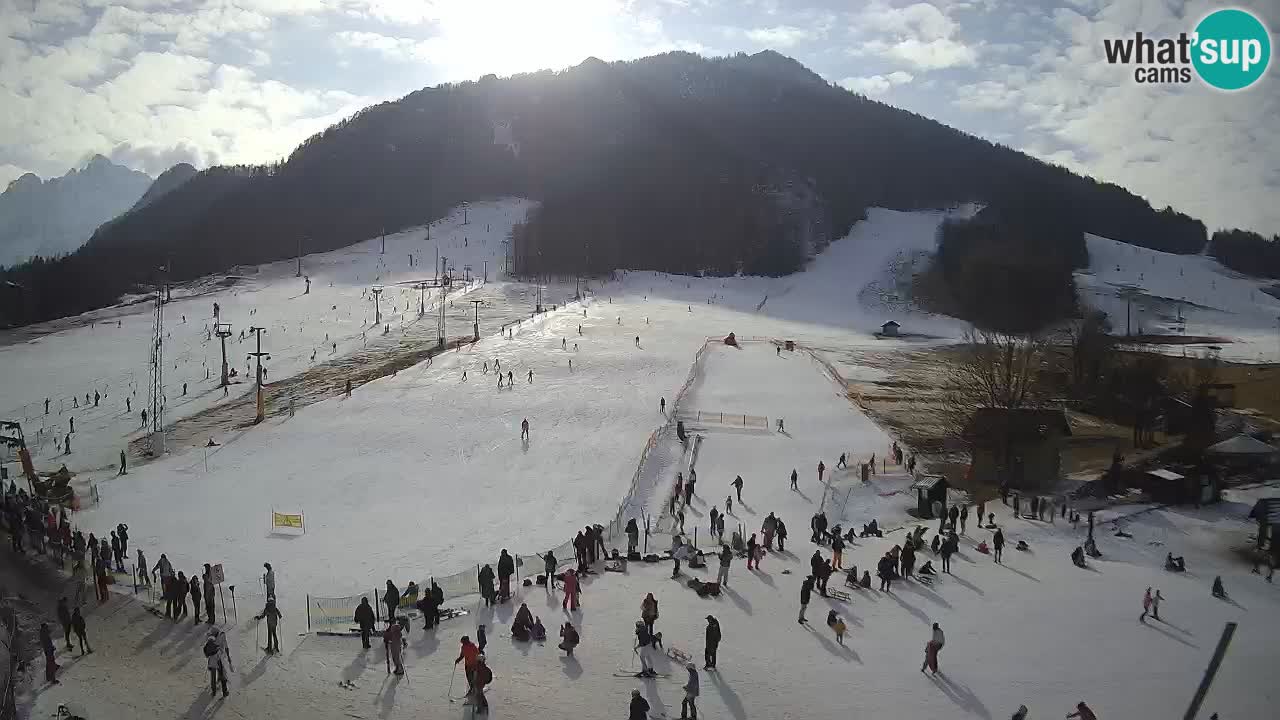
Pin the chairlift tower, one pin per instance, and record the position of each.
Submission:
(223, 331)
(155, 393)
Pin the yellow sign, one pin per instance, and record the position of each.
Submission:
(286, 520)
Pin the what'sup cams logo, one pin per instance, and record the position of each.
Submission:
(1229, 49)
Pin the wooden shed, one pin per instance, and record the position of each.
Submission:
(930, 489)
(890, 329)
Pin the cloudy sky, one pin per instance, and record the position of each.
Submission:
(154, 82)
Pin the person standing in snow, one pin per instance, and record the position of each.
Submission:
(964, 518)
(688, 705)
(506, 568)
(571, 591)
(649, 611)
(753, 548)
(485, 579)
(180, 589)
(269, 580)
(822, 468)
(524, 429)
(842, 464)
(997, 543)
(549, 567)
(123, 469)
(482, 676)
(633, 535)
(713, 643)
(64, 619)
(78, 627)
(737, 485)
(273, 616)
(215, 647)
(726, 557)
(662, 404)
(794, 477)
(639, 707)
(781, 532)
(806, 593)
(46, 644)
(391, 598)
(837, 552)
(644, 641)
(932, 648)
(208, 593)
(195, 597)
(468, 655)
(365, 620)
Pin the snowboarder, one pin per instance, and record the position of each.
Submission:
(393, 642)
(688, 705)
(737, 486)
(806, 592)
(932, 648)
(364, 619)
(273, 616)
(713, 643)
(78, 627)
(524, 429)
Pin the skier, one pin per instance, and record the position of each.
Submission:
(77, 626)
(713, 643)
(273, 616)
(506, 568)
(997, 544)
(364, 619)
(794, 477)
(737, 485)
(639, 707)
(644, 638)
(214, 648)
(391, 598)
(393, 642)
(932, 648)
(806, 592)
(688, 705)
(468, 655)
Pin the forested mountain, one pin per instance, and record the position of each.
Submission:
(674, 162)
(168, 181)
(51, 217)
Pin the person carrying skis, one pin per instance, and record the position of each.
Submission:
(713, 643)
(506, 568)
(393, 642)
(571, 638)
(639, 707)
(364, 619)
(273, 615)
(644, 639)
(932, 648)
(688, 705)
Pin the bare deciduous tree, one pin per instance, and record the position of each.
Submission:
(994, 370)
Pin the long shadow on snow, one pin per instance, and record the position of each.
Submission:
(927, 593)
(730, 698)
(743, 604)
(962, 696)
(843, 651)
(920, 615)
(1166, 633)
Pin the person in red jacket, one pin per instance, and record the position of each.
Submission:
(468, 656)
(570, 590)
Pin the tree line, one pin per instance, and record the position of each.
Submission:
(677, 163)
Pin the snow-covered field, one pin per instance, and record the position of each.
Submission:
(424, 473)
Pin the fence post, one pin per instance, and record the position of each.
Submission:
(308, 612)
(377, 604)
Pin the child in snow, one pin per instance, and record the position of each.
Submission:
(837, 625)
(571, 638)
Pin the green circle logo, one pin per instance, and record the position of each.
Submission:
(1231, 49)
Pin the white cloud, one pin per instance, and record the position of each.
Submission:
(986, 95)
(781, 36)
(9, 173)
(876, 84)
(921, 36)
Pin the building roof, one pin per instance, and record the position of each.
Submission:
(927, 482)
(992, 426)
(890, 323)
(1241, 445)
(1165, 475)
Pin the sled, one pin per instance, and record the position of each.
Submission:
(679, 655)
(839, 595)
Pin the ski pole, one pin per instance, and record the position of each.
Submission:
(452, 675)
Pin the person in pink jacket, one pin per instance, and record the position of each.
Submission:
(570, 590)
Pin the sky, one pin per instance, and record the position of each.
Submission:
(150, 83)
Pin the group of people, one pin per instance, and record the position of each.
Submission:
(176, 586)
